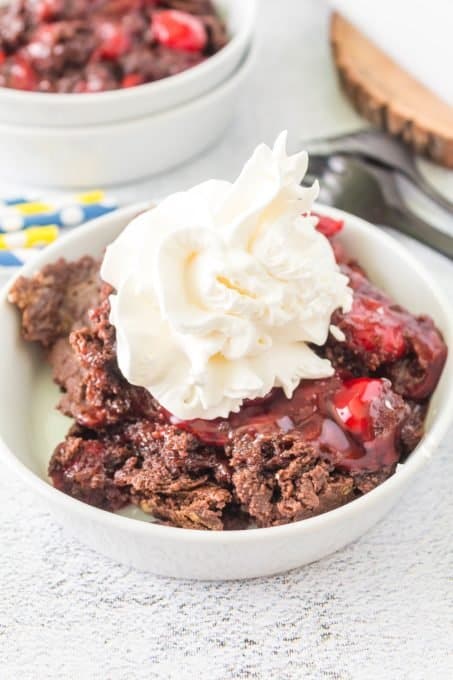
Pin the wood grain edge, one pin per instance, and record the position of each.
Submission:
(437, 145)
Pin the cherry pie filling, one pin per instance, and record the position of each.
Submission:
(277, 459)
(84, 46)
(341, 416)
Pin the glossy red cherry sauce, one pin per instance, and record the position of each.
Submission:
(391, 342)
(338, 416)
(354, 422)
(86, 46)
(374, 326)
(407, 349)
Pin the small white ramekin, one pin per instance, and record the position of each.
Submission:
(214, 555)
(36, 109)
(116, 153)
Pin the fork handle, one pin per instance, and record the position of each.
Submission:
(412, 225)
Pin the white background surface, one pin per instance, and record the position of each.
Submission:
(430, 65)
(381, 608)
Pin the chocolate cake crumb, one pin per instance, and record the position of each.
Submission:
(413, 427)
(247, 470)
(161, 469)
(199, 508)
(280, 479)
(84, 468)
(90, 46)
(95, 392)
(382, 338)
(57, 299)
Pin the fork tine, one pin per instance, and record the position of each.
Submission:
(414, 226)
(372, 193)
(387, 152)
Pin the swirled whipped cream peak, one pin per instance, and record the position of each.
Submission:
(220, 290)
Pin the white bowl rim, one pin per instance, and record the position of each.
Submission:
(246, 63)
(155, 88)
(415, 461)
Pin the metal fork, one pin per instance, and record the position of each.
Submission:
(372, 193)
(381, 151)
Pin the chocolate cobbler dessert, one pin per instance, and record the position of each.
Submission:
(84, 46)
(278, 449)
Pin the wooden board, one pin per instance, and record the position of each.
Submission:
(389, 97)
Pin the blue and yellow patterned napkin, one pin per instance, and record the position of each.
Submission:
(29, 223)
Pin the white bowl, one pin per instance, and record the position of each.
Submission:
(63, 110)
(102, 155)
(27, 428)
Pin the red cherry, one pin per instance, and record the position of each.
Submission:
(21, 75)
(327, 225)
(46, 10)
(114, 41)
(80, 87)
(179, 30)
(132, 80)
(353, 402)
(2, 57)
(389, 338)
(375, 328)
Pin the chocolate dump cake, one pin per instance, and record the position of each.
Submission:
(84, 46)
(276, 460)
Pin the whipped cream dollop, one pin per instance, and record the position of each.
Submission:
(219, 289)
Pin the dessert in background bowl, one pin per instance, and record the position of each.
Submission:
(60, 109)
(104, 155)
(76, 140)
(87, 46)
(237, 368)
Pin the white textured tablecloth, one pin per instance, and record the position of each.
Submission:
(381, 608)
